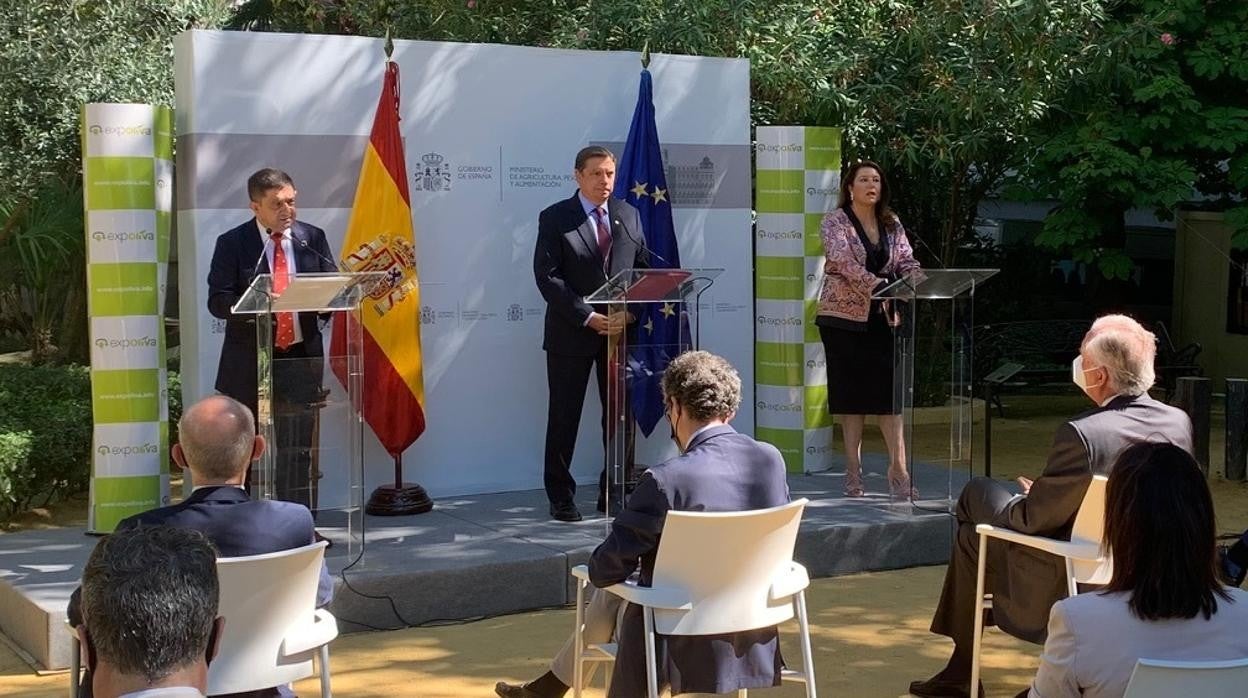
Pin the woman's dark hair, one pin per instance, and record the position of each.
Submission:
(1160, 528)
(883, 214)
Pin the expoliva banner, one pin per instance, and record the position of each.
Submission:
(797, 174)
(127, 168)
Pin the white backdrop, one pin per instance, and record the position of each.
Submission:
(490, 134)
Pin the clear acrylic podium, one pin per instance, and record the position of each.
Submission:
(296, 400)
(933, 348)
(663, 304)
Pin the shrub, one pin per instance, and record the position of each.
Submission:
(45, 434)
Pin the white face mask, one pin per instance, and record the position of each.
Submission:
(1080, 375)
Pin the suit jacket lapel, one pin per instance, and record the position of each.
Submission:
(306, 260)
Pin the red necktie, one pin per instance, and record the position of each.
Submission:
(281, 279)
(604, 237)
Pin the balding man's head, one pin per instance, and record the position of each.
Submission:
(1125, 349)
(217, 440)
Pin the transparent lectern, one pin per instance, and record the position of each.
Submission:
(296, 399)
(933, 348)
(663, 305)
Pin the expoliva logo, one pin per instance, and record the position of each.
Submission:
(764, 234)
(779, 321)
(817, 450)
(126, 343)
(778, 148)
(123, 236)
(764, 406)
(821, 191)
(140, 450)
(98, 130)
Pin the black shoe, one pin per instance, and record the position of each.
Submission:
(1232, 574)
(564, 511)
(937, 687)
(508, 690)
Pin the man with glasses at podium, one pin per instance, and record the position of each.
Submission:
(581, 242)
(273, 242)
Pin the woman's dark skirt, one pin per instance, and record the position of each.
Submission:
(861, 368)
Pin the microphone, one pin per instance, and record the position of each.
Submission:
(255, 269)
(930, 251)
(639, 243)
(304, 244)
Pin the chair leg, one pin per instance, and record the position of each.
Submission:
(578, 646)
(742, 693)
(75, 667)
(652, 667)
(808, 660)
(326, 692)
(982, 566)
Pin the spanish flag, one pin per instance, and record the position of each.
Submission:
(379, 238)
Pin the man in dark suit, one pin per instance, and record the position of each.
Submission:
(273, 242)
(216, 442)
(581, 242)
(1115, 369)
(718, 470)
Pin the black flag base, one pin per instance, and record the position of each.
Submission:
(403, 500)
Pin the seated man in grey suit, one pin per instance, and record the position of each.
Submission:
(217, 441)
(1115, 370)
(718, 470)
(149, 601)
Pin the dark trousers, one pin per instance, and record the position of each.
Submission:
(982, 500)
(297, 398)
(567, 378)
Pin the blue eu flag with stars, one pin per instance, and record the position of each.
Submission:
(640, 181)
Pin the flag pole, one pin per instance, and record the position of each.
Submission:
(401, 498)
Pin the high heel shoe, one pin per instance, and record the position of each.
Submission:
(853, 484)
(900, 487)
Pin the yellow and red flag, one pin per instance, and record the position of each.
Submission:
(379, 238)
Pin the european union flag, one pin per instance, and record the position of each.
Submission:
(641, 181)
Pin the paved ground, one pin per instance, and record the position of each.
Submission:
(869, 632)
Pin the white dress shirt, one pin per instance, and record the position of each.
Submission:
(169, 692)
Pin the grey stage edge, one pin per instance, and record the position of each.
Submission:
(491, 554)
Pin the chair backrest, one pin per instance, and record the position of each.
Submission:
(1155, 678)
(1090, 528)
(263, 597)
(726, 562)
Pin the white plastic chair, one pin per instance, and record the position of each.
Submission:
(1085, 563)
(714, 573)
(1154, 678)
(272, 626)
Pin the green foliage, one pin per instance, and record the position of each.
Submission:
(45, 434)
(944, 94)
(1166, 117)
(42, 275)
(56, 55)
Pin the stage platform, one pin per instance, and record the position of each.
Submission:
(491, 554)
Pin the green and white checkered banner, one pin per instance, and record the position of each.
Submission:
(127, 170)
(797, 174)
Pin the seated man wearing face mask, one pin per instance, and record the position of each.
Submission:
(1115, 370)
(718, 470)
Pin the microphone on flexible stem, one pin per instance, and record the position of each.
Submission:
(255, 269)
(930, 251)
(640, 243)
(304, 244)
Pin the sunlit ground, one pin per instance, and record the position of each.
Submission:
(869, 630)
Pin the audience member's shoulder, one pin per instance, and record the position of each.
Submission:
(1238, 604)
(285, 510)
